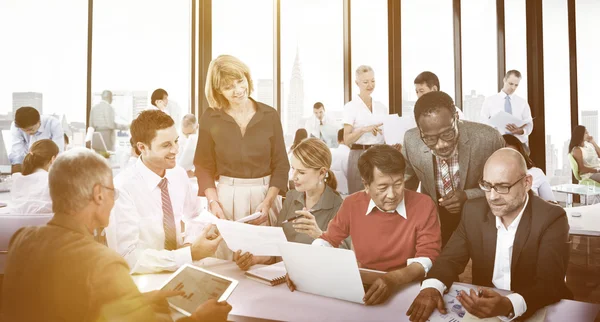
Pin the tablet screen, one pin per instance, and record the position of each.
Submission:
(199, 286)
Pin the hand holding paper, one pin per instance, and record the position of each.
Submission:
(258, 240)
(502, 119)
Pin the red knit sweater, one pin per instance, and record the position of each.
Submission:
(384, 241)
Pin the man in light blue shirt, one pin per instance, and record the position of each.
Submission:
(29, 127)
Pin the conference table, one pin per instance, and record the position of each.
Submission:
(584, 220)
(253, 301)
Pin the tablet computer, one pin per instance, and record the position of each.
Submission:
(199, 286)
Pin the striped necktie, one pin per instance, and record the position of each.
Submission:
(168, 217)
(507, 105)
(446, 179)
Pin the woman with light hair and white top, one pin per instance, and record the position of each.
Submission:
(30, 192)
(240, 145)
(362, 124)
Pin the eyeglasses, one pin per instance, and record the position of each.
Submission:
(447, 135)
(501, 188)
(115, 191)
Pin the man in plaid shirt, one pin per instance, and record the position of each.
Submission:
(447, 156)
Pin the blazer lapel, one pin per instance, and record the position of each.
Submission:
(464, 155)
(489, 238)
(521, 235)
(427, 166)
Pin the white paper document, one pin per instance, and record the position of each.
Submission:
(457, 313)
(501, 119)
(455, 310)
(325, 271)
(394, 127)
(258, 240)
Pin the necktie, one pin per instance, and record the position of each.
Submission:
(320, 132)
(446, 179)
(168, 217)
(507, 105)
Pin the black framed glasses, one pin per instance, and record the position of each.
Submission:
(447, 135)
(500, 188)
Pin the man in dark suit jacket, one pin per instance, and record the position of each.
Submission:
(443, 143)
(516, 241)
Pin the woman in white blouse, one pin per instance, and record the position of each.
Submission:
(586, 152)
(30, 193)
(362, 124)
(541, 185)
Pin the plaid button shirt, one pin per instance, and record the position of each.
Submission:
(454, 171)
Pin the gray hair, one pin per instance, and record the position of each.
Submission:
(72, 178)
(363, 69)
(189, 119)
(107, 95)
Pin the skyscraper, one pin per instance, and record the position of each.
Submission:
(550, 158)
(589, 119)
(32, 99)
(295, 106)
(3, 151)
(140, 102)
(264, 90)
(472, 106)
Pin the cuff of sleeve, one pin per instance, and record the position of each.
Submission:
(321, 242)
(424, 261)
(183, 256)
(519, 306)
(434, 283)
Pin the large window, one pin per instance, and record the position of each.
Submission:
(588, 69)
(556, 90)
(370, 43)
(139, 46)
(312, 66)
(516, 41)
(479, 54)
(43, 64)
(244, 29)
(427, 45)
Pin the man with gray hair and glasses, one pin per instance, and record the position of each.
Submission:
(57, 272)
(517, 241)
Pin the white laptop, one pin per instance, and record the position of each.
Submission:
(325, 271)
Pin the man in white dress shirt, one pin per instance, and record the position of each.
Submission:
(506, 100)
(517, 242)
(155, 197)
(159, 100)
(29, 127)
(321, 126)
(102, 119)
(339, 163)
(187, 143)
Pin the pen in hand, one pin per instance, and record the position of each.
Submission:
(292, 219)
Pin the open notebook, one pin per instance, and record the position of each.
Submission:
(270, 275)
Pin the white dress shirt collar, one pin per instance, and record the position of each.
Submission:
(150, 178)
(400, 209)
(515, 224)
(42, 128)
(503, 94)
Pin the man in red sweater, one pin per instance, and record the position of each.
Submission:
(392, 229)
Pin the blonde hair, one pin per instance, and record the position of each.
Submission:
(223, 71)
(314, 154)
(363, 69)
